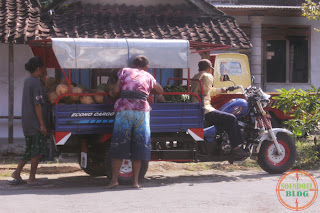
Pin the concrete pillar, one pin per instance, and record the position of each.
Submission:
(256, 51)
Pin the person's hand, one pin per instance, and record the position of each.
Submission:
(43, 130)
(223, 89)
(110, 93)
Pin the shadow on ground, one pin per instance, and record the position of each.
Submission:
(86, 184)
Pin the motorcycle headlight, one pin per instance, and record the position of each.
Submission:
(264, 96)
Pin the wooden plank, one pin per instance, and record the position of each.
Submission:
(11, 94)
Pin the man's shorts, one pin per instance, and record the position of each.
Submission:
(35, 147)
(131, 136)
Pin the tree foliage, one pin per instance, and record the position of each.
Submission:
(303, 106)
(311, 10)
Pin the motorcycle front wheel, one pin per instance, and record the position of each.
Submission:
(273, 163)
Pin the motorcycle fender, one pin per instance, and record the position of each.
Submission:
(84, 155)
(265, 136)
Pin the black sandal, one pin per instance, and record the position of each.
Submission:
(16, 181)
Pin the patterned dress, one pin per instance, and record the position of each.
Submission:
(131, 133)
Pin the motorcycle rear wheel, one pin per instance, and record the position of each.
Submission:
(270, 161)
(95, 167)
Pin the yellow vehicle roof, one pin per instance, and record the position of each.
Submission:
(236, 66)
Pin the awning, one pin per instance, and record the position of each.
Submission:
(83, 53)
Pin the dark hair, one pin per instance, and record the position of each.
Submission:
(204, 64)
(140, 61)
(113, 77)
(33, 64)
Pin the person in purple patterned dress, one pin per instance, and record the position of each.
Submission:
(131, 132)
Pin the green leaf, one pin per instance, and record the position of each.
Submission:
(304, 106)
(297, 131)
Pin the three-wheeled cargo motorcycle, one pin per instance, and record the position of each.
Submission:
(178, 131)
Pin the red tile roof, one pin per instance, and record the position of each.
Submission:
(261, 2)
(19, 20)
(118, 21)
(274, 2)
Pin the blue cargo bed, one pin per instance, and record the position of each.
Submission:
(99, 118)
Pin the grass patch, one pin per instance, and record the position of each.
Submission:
(249, 163)
(197, 166)
(9, 161)
(5, 174)
(308, 155)
(223, 166)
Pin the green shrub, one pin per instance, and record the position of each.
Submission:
(303, 106)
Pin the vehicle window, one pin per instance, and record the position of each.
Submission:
(230, 68)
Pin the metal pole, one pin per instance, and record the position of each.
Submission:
(188, 79)
(11, 94)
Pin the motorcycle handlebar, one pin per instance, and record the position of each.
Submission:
(232, 88)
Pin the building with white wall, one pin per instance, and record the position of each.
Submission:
(285, 50)
(194, 20)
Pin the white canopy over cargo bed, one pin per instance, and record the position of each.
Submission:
(83, 53)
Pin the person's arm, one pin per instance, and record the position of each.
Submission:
(207, 82)
(217, 91)
(157, 89)
(116, 90)
(38, 109)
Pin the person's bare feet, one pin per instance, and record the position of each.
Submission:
(14, 175)
(136, 186)
(36, 182)
(32, 181)
(112, 185)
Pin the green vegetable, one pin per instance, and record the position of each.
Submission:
(176, 98)
(103, 87)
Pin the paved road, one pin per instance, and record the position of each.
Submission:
(209, 191)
